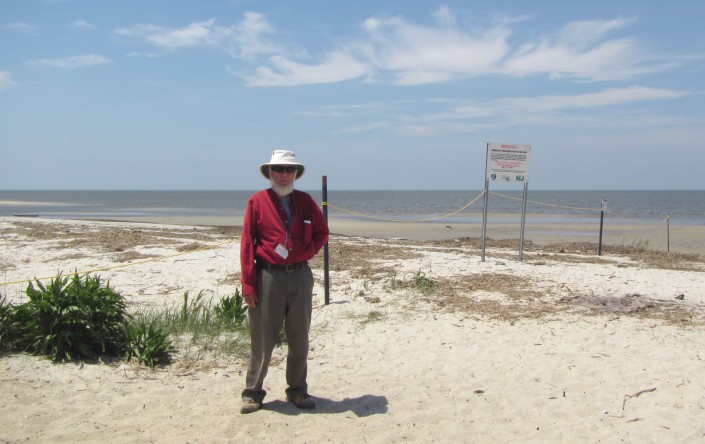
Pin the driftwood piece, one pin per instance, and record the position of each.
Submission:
(627, 397)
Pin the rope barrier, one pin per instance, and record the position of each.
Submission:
(638, 221)
(611, 213)
(355, 213)
(368, 216)
(544, 203)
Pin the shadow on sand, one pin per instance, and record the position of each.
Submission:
(366, 405)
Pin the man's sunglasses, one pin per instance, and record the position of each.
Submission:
(283, 169)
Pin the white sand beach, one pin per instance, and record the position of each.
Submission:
(562, 346)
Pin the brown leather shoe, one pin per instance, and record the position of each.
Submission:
(250, 406)
(302, 401)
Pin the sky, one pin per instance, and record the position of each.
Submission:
(390, 95)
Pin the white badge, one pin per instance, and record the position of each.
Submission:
(282, 251)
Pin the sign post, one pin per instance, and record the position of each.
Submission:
(603, 207)
(326, 257)
(507, 163)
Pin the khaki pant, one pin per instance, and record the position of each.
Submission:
(283, 297)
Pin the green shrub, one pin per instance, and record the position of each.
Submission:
(78, 318)
(422, 282)
(6, 324)
(232, 310)
(71, 318)
(149, 344)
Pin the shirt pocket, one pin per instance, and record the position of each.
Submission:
(308, 231)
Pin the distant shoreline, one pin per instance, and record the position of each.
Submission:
(681, 239)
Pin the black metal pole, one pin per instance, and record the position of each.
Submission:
(523, 222)
(603, 207)
(484, 219)
(599, 245)
(668, 232)
(326, 275)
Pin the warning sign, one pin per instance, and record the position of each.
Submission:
(508, 162)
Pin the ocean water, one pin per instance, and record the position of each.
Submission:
(682, 207)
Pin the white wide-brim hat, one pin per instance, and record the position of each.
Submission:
(283, 157)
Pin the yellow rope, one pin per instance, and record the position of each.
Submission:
(355, 213)
(545, 204)
(634, 221)
(611, 213)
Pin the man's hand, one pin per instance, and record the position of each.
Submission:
(250, 300)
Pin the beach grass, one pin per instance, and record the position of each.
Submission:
(202, 327)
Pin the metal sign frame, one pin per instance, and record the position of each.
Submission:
(510, 163)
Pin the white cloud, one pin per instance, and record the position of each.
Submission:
(581, 34)
(405, 53)
(243, 40)
(337, 67)
(82, 24)
(410, 53)
(248, 39)
(511, 108)
(195, 34)
(21, 27)
(607, 97)
(148, 55)
(5, 80)
(396, 50)
(581, 50)
(416, 54)
(493, 115)
(73, 62)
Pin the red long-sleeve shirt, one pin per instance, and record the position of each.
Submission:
(265, 228)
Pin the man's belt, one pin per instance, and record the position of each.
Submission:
(289, 268)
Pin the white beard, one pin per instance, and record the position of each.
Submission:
(280, 190)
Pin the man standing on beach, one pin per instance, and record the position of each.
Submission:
(282, 230)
